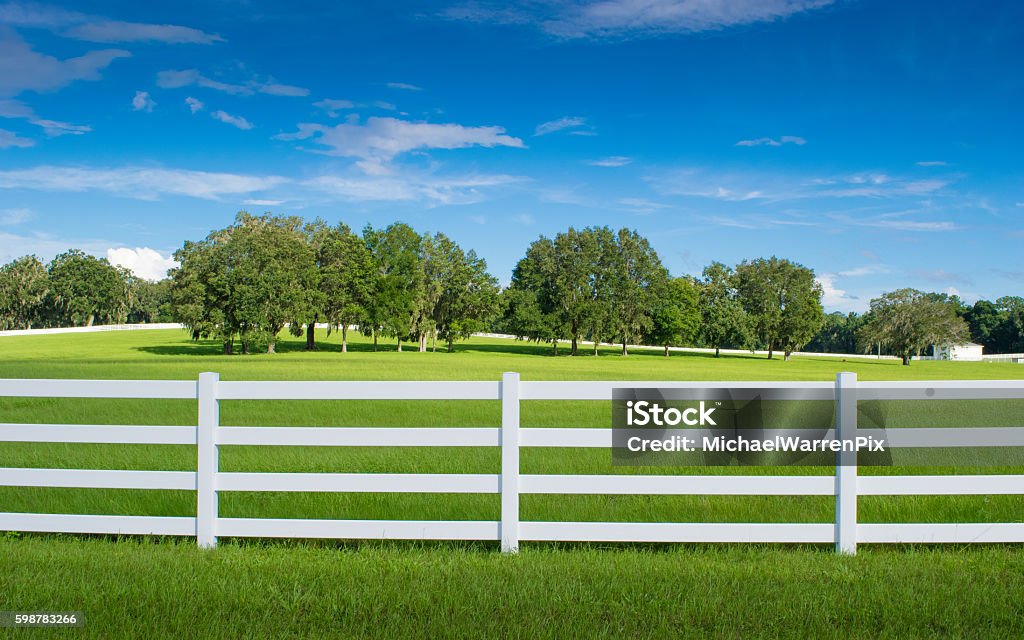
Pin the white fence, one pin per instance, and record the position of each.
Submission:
(208, 435)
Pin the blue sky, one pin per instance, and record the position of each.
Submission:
(879, 143)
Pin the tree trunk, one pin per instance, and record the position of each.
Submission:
(271, 346)
(344, 338)
(554, 347)
(245, 347)
(718, 351)
(92, 317)
(906, 359)
(786, 355)
(666, 350)
(433, 340)
(574, 350)
(399, 345)
(596, 344)
(375, 340)
(625, 351)
(423, 342)
(770, 352)
(229, 347)
(451, 345)
(311, 336)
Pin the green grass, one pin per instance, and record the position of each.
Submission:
(170, 355)
(146, 589)
(154, 587)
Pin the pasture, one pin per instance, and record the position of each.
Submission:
(435, 590)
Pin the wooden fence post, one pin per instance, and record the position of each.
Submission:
(846, 464)
(207, 462)
(509, 462)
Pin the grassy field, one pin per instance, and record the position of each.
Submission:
(281, 588)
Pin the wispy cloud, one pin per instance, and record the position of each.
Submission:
(567, 122)
(92, 28)
(742, 186)
(631, 18)
(380, 139)
(10, 139)
(431, 189)
(524, 218)
(22, 69)
(143, 101)
(642, 205)
(179, 78)
(333, 107)
(142, 183)
(866, 270)
(234, 121)
(403, 86)
(772, 142)
(194, 105)
(117, 31)
(932, 163)
(16, 109)
(611, 161)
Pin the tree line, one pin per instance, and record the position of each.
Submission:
(77, 289)
(244, 284)
(250, 280)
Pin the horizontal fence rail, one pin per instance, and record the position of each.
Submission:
(845, 485)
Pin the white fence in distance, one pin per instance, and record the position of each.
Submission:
(208, 481)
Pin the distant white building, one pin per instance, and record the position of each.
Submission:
(969, 352)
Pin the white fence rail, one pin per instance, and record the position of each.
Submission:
(208, 481)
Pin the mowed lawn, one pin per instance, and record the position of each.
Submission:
(146, 587)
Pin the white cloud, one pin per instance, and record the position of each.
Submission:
(524, 218)
(772, 142)
(178, 78)
(933, 163)
(333, 107)
(10, 139)
(81, 26)
(22, 69)
(278, 89)
(144, 262)
(835, 299)
(117, 31)
(10, 217)
(611, 161)
(477, 219)
(53, 128)
(632, 18)
(404, 86)
(194, 105)
(567, 122)
(142, 101)
(235, 121)
(19, 110)
(138, 182)
(381, 139)
(262, 203)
